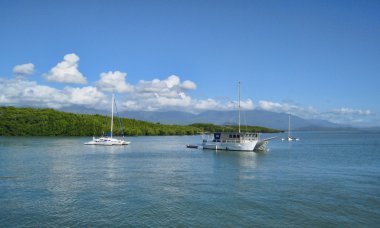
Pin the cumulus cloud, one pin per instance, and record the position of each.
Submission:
(88, 96)
(30, 93)
(188, 85)
(114, 82)
(170, 94)
(23, 69)
(66, 71)
(23, 92)
(167, 86)
(167, 94)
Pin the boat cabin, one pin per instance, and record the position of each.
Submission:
(234, 136)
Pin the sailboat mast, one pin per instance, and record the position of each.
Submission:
(289, 127)
(239, 103)
(113, 100)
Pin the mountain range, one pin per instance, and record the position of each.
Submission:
(251, 117)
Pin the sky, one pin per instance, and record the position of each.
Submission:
(314, 59)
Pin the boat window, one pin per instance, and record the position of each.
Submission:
(238, 136)
(234, 136)
(230, 136)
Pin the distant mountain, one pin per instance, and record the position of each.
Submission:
(252, 117)
(82, 110)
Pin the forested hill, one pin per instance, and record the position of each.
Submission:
(50, 122)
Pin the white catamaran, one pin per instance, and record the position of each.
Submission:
(237, 141)
(108, 141)
(290, 138)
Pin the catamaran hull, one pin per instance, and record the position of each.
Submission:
(104, 141)
(107, 143)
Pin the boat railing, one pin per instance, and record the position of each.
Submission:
(237, 141)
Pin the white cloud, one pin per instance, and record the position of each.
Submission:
(22, 92)
(114, 82)
(29, 93)
(187, 85)
(357, 117)
(210, 104)
(88, 96)
(170, 94)
(23, 69)
(167, 86)
(306, 112)
(350, 111)
(167, 94)
(66, 71)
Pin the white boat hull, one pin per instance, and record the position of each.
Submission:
(107, 142)
(235, 146)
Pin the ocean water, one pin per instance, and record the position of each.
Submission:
(327, 179)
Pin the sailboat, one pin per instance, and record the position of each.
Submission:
(289, 138)
(108, 141)
(237, 141)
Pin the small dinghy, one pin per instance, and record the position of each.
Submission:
(192, 146)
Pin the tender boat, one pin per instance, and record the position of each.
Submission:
(192, 146)
(109, 141)
(262, 144)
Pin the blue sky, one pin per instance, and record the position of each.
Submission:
(314, 59)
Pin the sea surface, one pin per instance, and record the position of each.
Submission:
(327, 179)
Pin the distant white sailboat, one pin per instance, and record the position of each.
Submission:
(290, 138)
(108, 141)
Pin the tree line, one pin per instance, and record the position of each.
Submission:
(49, 122)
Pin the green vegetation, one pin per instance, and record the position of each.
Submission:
(50, 122)
(228, 128)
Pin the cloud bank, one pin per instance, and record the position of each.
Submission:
(170, 93)
(30, 93)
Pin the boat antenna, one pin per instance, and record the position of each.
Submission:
(239, 103)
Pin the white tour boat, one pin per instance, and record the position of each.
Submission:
(238, 141)
(108, 141)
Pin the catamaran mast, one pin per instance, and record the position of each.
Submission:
(113, 100)
(289, 127)
(239, 103)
